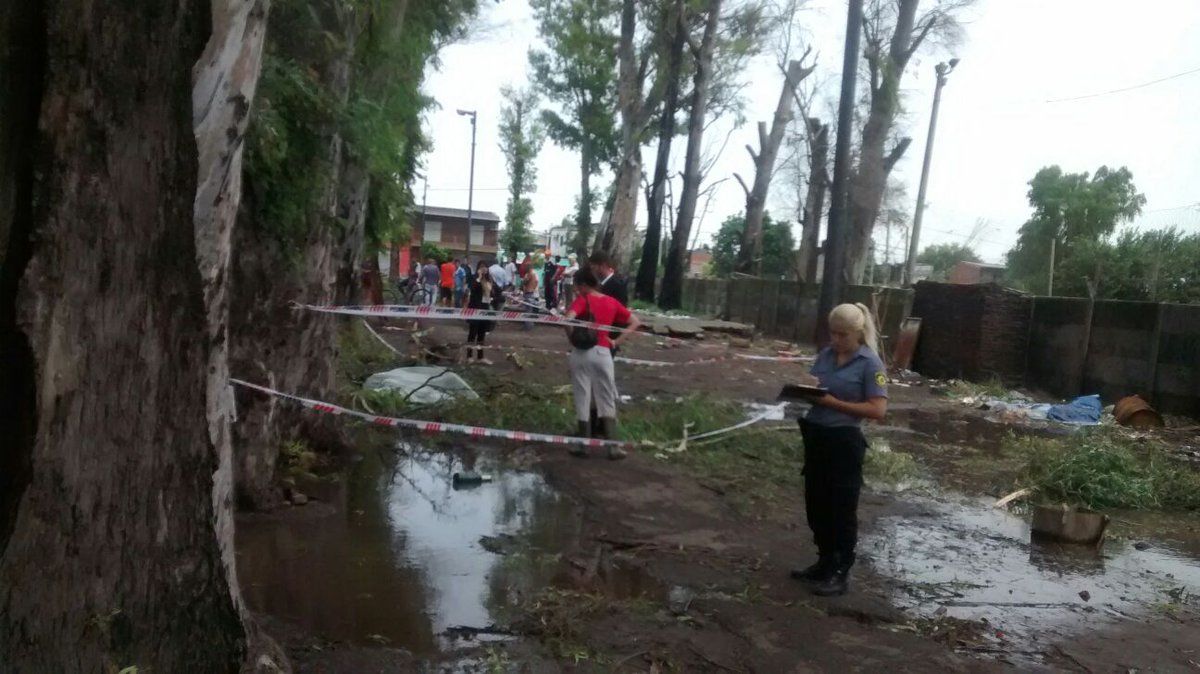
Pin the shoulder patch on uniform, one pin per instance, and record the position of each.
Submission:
(880, 378)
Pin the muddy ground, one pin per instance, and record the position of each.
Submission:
(564, 564)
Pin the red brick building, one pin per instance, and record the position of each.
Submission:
(968, 273)
(447, 228)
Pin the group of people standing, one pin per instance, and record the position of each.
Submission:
(849, 374)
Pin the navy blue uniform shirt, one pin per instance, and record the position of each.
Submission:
(859, 379)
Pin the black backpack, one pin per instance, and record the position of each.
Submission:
(584, 338)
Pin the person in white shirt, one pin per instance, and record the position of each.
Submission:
(499, 276)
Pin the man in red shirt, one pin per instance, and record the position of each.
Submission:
(446, 293)
(592, 374)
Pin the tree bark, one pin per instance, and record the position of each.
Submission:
(814, 200)
(291, 349)
(874, 163)
(672, 286)
(652, 247)
(117, 545)
(749, 259)
(583, 213)
(635, 110)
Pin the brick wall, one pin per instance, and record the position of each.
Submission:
(971, 331)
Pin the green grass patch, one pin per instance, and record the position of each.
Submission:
(890, 467)
(993, 388)
(1104, 468)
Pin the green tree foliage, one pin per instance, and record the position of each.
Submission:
(943, 256)
(295, 112)
(1076, 210)
(1160, 265)
(577, 71)
(779, 248)
(521, 136)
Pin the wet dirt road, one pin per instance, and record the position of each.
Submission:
(379, 574)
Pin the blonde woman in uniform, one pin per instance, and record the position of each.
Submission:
(853, 375)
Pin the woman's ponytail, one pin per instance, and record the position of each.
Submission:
(870, 334)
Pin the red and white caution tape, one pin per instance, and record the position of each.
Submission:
(657, 363)
(434, 426)
(450, 313)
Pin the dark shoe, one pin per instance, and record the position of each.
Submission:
(817, 572)
(836, 585)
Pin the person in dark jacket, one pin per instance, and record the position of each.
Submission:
(611, 283)
(481, 294)
(850, 371)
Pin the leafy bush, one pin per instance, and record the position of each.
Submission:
(1104, 468)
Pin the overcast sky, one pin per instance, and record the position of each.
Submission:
(996, 128)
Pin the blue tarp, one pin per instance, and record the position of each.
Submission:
(1082, 410)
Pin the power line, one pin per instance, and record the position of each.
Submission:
(1124, 89)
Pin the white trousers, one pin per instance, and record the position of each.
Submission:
(593, 378)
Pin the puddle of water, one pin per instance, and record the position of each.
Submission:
(399, 560)
(978, 563)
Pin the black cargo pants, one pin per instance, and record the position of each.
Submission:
(833, 461)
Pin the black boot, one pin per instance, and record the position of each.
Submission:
(837, 583)
(816, 572)
(582, 430)
(609, 432)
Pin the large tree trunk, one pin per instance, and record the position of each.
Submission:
(677, 260)
(583, 211)
(651, 249)
(353, 194)
(814, 200)
(117, 537)
(750, 253)
(619, 225)
(287, 348)
(874, 162)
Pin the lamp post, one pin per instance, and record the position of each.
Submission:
(471, 188)
(943, 70)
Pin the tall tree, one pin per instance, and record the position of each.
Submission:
(115, 532)
(815, 189)
(521, 137)
(943, 256)
(677, 259)
(892, 34)
(1070, 210)
(339, 115)
(637, 109)
(750, 253)
(576, 71)
(1144, 266)
(674, 37)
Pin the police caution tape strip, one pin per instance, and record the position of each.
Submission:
(656, 363)
(449, 313)
(434, 426)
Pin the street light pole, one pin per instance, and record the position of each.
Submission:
(471, 188)
(943, 70)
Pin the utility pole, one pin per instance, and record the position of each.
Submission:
(471, 187)
(943, 70)
(834, 277)
(1050, 279)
